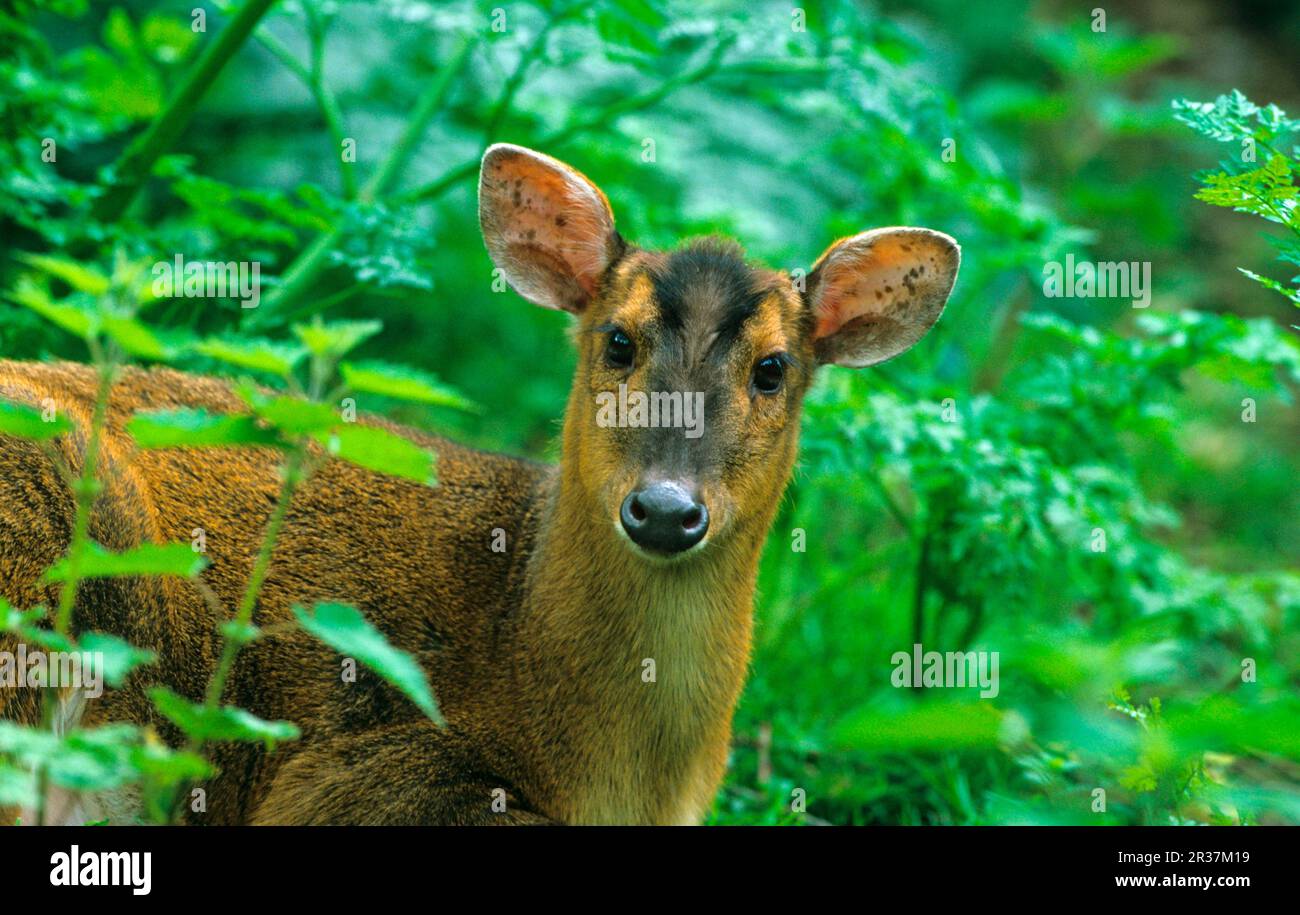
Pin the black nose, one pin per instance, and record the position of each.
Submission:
(664, 518)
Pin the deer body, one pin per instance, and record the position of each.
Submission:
(588, 672)
(515, 652)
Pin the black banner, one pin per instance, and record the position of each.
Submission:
(124, 866)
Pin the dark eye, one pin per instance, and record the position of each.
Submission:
(619, 351)
(768, 374)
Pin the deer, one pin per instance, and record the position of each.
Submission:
(639, 549)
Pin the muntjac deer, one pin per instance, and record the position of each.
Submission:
(642, 544)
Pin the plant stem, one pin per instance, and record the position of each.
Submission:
(131, 170)
(313, 79)
(602, 118)
(994, 367)
(85, 489)
(325, 100)
(293, 475)
(921, 588)
(427, 106)
(299, 276)
(515, 80)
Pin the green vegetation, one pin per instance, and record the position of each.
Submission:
(1104, 495)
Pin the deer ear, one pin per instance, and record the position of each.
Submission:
(875, 294)
(547, 227)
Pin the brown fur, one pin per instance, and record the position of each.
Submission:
(537, 653)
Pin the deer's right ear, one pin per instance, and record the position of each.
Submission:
(875, 294)
(547, 227)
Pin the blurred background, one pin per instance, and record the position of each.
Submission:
(952, 497)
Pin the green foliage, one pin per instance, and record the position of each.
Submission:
(91, 759)
(221, 724)
(1002, 501)
(952, 498)
(402, 384)
(344, 629)
(1269, 190)
(381, 450)
(253, 354)
(197, 429)
(116, 658)
(146, 559)
(26, 422)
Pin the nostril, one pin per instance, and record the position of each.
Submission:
(664, 518)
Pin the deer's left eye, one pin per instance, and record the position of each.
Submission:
(768, 374)
(619, 350)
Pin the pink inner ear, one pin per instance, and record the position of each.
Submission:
(872, 277)
(545, 211)
(847, 289)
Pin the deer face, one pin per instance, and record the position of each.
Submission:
(682, 423)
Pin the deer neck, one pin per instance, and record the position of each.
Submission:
(629, 669)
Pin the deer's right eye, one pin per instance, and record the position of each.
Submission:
(620, 350)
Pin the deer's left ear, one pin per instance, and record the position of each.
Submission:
(548, 228)
(875, 294)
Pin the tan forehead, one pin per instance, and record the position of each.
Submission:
(773, 325)
(782, 301)
(635, 304)
(775, 322)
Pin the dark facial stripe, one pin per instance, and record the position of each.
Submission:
(708, 284)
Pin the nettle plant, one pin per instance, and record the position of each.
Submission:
(1260, 177)
(310, 418)
(1031, 532)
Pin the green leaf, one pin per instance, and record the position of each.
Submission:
(198, 429)
(161, 762)
(1291, 293)
(78, 276)
(137, 339)
(344, 629)
(17, 787)
(1221, 723)
(381, 450)
(226, 723)
(402, 383)
(117, 754)
(1266, 191)
(932, 726)
(336, 338)
(1232, 118)
(26, 744)
(167, 38)
(93, 759)
(620, 32)
(20, 622)
(254, 354)
(292, 415)
(146, 559)
(28, 422)
(75, 320)
(114, 657)
(13, 620)
(239, 633)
